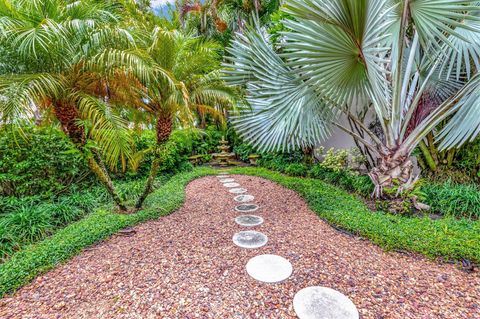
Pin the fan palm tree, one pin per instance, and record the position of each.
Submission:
(194, 87)
(413, 63)
(78, 62)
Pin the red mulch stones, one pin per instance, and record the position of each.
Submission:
(185, 266)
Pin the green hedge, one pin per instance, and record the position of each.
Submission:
(448, 237)
(39, 161)
(33, 260)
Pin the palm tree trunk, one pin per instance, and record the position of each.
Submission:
(67, 115)
(164, 130)
(106, 181)
(392, 170)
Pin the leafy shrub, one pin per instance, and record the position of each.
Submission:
(280, 161)
(243, 150)
(346, 179)
(341, 159)
(207, 142)
(30, 219)
(27, 224)
(296, 169)
(174, 153)
(39, 161)
(450, 199)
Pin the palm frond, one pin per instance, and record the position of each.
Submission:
(464, 126)
(337, 46)
(285, 113)
(109, 130)
(19, 92)
(436, 19)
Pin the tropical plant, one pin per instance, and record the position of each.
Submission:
(414, 63)
(76, 62)
(193, 87)
(43, 162)
(220, 19)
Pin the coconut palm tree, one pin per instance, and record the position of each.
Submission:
(413, 63)
(194, 89)
(76, 61)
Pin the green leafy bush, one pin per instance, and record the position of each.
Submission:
(181, 144)
(296, 169)
(280, 161)
(346, 179)
(451, 199)
(243, 150)
(30, 219)
(39, 161)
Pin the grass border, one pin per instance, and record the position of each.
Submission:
(26, 264)
(447, 238)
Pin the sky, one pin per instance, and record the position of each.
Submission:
(159, 3)
(159, 6)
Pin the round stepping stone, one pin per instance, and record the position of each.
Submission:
(323, 302)
(231, 185)
(244, 198)
(249, 220)
(270, 269)
(250, 239)
(227, 180)
(237, 190)
(245, 208)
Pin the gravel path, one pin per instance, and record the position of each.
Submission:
(185, 266)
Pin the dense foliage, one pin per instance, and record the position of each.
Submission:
(48, 186)
(39, 161)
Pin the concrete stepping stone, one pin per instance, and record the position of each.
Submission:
(227, 180)
(237, 190)
(246, 208)
(322, 302)
(229, 185)
(250, 239)
(249, 220)
(223, 173)
(270, 268)
(244, 198)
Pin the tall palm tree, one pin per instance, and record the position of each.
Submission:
(194, 87)
(413, 63)
(76, 61)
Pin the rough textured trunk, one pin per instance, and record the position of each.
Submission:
(106, 181)
(67, 115)
(164, 130)
(392, 170)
